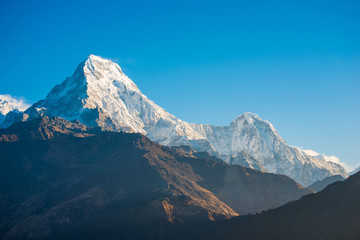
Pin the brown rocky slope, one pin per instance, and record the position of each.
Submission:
(61, 178)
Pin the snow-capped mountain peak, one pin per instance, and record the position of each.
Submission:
(100, 94)
(101, 70)
(252, 119)
(248, 116)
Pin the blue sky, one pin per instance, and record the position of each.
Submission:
(296, 64)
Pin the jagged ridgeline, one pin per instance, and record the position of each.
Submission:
(100, 94)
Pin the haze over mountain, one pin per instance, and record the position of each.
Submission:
(320, 185)
(354, 171)
(100, 94)
(60, 177)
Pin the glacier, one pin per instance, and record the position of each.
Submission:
(100, 94)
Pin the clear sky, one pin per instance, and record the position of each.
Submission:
(294, 63)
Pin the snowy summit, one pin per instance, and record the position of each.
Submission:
(100, 94)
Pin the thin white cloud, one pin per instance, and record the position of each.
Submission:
(337, 160)
(15, 102)
(333, 159)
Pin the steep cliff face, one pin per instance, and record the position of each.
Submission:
(100, 94)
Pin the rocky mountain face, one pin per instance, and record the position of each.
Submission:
(320, 185)
(61, 179)
(45, 128)
(100, 94)
(331, 214)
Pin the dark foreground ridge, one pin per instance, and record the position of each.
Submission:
(331, 214)
(63, 180)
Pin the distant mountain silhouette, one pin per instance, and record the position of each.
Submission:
(320, 185)
(62, 179)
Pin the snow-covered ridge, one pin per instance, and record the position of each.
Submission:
(100, 94)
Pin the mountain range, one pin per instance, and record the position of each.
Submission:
(65, 180)
(99, 94)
